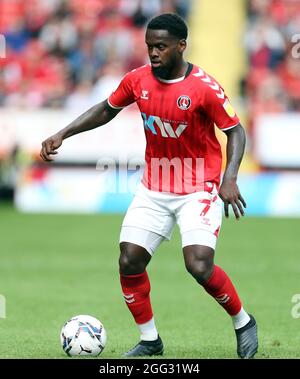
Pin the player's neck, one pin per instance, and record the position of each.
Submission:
(183, 69)
(179, 71)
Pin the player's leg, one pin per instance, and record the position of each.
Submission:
(199, 261)
(200, 223)
(134, 258)
(145, 226)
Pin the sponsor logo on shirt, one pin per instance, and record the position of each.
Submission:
(155, 124)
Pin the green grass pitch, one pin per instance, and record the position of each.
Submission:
(54, 267)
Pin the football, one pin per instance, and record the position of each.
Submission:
(83, 335)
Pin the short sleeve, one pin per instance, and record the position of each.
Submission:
(123, 95)
(218, 107)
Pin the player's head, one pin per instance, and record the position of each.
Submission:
(166, 40)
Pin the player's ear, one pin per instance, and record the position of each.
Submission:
(181, 45)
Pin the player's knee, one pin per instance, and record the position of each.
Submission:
(199, 262)
(200, 269)
(131, 261)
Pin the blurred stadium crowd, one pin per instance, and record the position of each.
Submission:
(272, 84)
(72, 53)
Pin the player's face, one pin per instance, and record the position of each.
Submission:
(165, 52)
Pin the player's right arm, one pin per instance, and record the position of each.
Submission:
(98, 115)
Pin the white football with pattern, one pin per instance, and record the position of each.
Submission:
(83, 335)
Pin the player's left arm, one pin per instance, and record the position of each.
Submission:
(217, 106)
(229, 191)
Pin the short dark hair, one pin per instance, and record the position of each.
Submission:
(171, 22)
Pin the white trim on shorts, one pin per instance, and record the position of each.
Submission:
(141, 237)
(199, 237)
(150, 241)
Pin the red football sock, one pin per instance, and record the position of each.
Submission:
(220, 287)
(136, 291)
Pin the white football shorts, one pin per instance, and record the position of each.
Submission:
(151, 217)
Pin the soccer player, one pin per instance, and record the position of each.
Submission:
(179, 104)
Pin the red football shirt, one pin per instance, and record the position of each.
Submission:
(183, 154)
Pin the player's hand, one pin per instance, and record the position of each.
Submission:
(230, 194)
(49, 147)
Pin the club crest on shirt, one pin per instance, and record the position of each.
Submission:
(184, 102)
